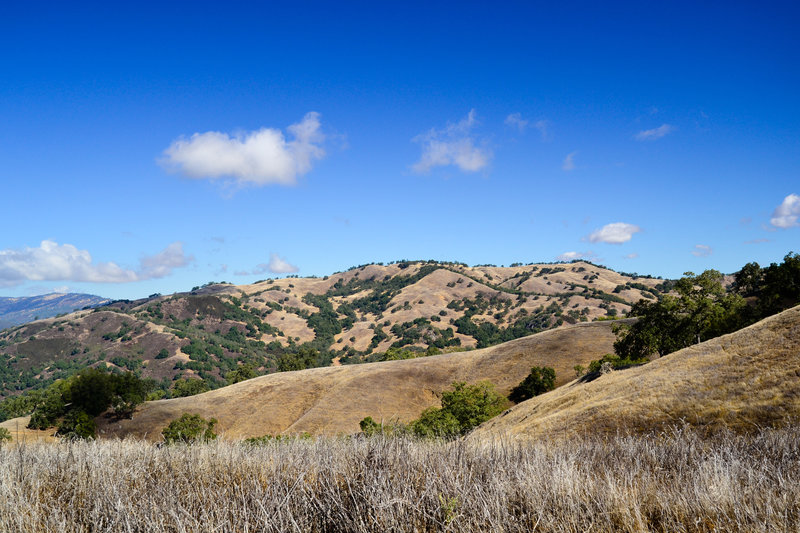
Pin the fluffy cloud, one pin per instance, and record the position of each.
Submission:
(258, 157)
(786, 215)
(615, 233)
(276, 265)
(452, 145)
(64, 262)
(569, 161)
(572, 256)
(702, 250)
(655, 133)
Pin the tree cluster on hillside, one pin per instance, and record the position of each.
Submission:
(703, 308)
(71, 405)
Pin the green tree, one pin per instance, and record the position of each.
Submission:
(189, 387)
(189, 429)
(701, 310)
(540, 380)
(463, 408)
(242, 373)
(77, 424)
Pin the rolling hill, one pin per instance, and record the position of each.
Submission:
(333, 400)
(292, 323)
(15, 311)
(745, 380)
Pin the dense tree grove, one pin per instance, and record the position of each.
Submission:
(71, 404)
(703, 308)
(539, 381)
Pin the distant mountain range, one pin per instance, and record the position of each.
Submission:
(15, 311)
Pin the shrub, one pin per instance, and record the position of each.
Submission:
(463, 408)
(540, 380)
(189, 387)
(189, 429)
(5, 436)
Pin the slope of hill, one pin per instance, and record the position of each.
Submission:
(15, 311)
(744, 380)
(333, 400)
(292, 323)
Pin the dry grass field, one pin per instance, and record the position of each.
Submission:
(675, 481)
(743, 381)
(332, 400)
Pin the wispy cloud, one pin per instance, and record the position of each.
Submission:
(634, 255)
(452, 145)
(786, 215)
(615, 233)
(758, 241)
(64, 262)
(569, 161)
(702, 250)
(572, 256)
(655, 133)
(257, 157)
(515, 120)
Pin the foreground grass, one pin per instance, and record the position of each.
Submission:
(669, 482)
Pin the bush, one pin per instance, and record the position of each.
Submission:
(463, 408)
(540, 380)
(189, 429)
(77, 425)
(189, 387)
(5, 436)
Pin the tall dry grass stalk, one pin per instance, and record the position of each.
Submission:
(669, 482)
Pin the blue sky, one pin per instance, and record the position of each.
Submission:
(150, 148)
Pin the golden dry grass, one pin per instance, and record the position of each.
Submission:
(743, 381)
(677, 481)
(333, 400)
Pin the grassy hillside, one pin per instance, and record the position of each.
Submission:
(742, 381)
(291, 323)
(333, 400)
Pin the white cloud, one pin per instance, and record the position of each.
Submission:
(452, 145)
(702, 250)
(64, 262)
(278, 265)
(257, 157)
(515, 120)
(786, 215)
(634, 255)
(615, 233)
(655, 133)
(757, 241)
(572, 256)
(569, 161)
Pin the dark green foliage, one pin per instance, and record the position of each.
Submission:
(539, 381)
(305, 357)
(71, 404)
(189, 429)
(189, 387)
(614, 362)
(5, 436)
(701, 311)
(242, 373)
(162, 354)
(463, 408)
(76, 424)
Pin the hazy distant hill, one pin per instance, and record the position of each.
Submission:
(14, 311)
(408, 308)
